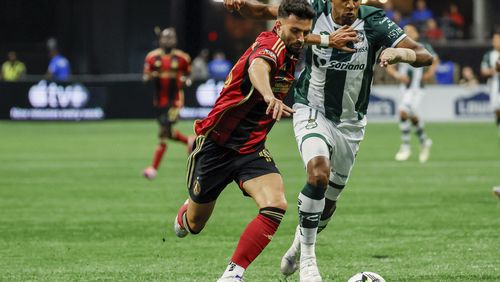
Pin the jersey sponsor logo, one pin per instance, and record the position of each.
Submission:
(477, 105)
(344, 66)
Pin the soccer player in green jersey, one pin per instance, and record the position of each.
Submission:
(331, 99)
(412, 84)
(490, 68)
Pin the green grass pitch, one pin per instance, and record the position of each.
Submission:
(73, 206)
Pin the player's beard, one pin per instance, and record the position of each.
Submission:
(295, 48)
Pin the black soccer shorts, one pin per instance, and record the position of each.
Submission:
(212, 167)
(167, 116)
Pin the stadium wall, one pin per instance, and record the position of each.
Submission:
(98, 100)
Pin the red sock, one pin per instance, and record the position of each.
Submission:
(160, 150)
(254, 239)
(179, 137)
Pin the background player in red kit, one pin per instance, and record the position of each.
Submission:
(230, 143)
(168, 69)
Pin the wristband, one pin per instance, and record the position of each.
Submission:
(324, 40)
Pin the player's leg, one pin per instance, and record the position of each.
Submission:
(312, 134)
(425, 142)
(204, 189)
(346, 148)
(404, 126)
(268, 193)
(150, 172)
(176, 135)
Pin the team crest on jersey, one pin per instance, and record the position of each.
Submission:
(360, 35)
(196, 188)
(174, 64)
(311, 123)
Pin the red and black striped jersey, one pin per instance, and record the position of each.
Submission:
(238, 119)
(169, 71)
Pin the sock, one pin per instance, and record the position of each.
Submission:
(178, 136)
(404, 126)
(332, 195)
(311, 205)
(257, 235)
(160, 150)
(419, 131)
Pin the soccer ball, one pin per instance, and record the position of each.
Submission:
(366, 276)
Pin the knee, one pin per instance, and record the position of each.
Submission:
(319, 177)
(318, 172)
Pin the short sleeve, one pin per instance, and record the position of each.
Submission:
(387, 32)
(485, 63)
(269, 50)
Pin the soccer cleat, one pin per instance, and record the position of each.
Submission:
(235, 278)
(404, 152)
(496, 191)
(179, 229)
(149, 173)
(190, 144)
(290, 260)
(309, 271)
(425, 151)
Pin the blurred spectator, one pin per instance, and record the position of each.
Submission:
(12, 69)
(389, 11)
(445, 71)
(433, 32)
(399, 19)
(199, 68)
(454, 18)
(421, 14)
(59, 68)
(468, 77)
(219, 67)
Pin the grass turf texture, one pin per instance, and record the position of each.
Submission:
(75, 207)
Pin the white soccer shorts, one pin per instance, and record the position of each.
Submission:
(411, 100)
(318, 136)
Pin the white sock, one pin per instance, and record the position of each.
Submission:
(310, 211)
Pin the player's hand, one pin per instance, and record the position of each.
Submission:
(389, 57)
(341, 37)
(234, 5)
(277, 107)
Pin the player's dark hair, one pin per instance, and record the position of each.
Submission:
(300, 8)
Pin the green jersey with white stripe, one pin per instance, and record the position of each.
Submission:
(489, 62)
(338, 83)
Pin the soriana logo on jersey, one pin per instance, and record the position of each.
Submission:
(52, 101)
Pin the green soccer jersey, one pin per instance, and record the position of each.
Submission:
(489, 62)
(338, 83)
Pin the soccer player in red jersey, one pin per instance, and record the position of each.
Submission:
(231, 141)
(168, 69)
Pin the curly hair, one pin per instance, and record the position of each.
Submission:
(300, 8)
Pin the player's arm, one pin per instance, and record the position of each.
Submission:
(252, 9)
(431, 71)
(406, 51)
(338, 39)
(259, 72)
(486, 69)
